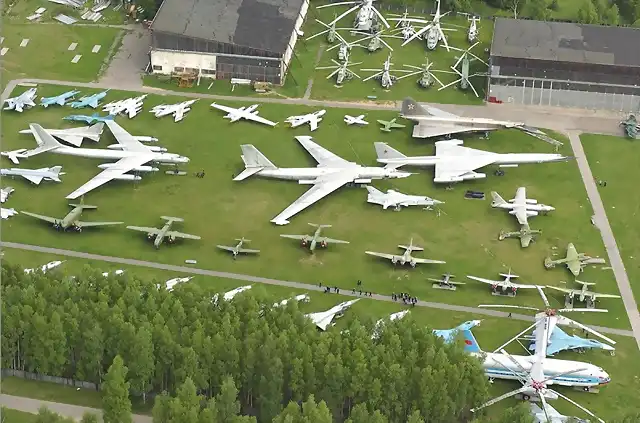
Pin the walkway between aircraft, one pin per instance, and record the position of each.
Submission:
(268, 281)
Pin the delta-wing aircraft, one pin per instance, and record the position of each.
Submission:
(379, 326)
(331, 173)
(455, 163)
(59, 100)
(562, 341)
(313, 119)
(21, 102)
(89, 100)
(35, 175)
(238, 248)
(244, 112)
(406, 257)
(575, 261)
(74, 136)
(302, 298)
(432, 122)
(72, 220)
(397, 200)
(5, 193)
(504, 285)
(7, 213)
(315, 240)
(178, 110)
(129, 106)
(133, 157)
(165, 233)
(583, 294)
(520, 206)
(228, 296)
(357, 120)
(551, 415)
(45, 267)
(324, 319)
(171, 283)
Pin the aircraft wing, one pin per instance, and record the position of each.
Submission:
(154, 231)
(321, 155)
(298, 237)
(313, 122)
(572, 253)
(260, 119)
(598, 295)
(177, 234)
(178, 113)
(521, 196)
(525, 239)
(41, 217)
(396, 125)
(90, 224)
(121, 167)
(381, 255)
(428, 261)
(225, 247)
(33, 178)
(483, 280)
(125, 139)
(334, 241)
(227, 109)
(248, 251)
(520, 285)
(566, 290)
(321, 319)
(438, 129)
(466, 161)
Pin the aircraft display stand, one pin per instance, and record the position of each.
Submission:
(443, 286)
(500, 294)
(590, 389)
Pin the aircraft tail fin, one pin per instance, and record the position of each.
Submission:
(384, 151)
(497, 200)
(56, 172)
(411, 108)
(243, 240)
(585, 283)
(172, 219)
(82, 205)
(315, 225)
(470, 343)
(95, 131)
(373, 190)
(254, 162)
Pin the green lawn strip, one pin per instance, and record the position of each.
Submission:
(615, 160)
(15, 416)
(53, 392)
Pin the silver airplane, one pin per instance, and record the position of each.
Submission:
(21, 102)
(59, 100)
(5, 193)
(159, 235)
(324, 319)
(311, 241)
(504, 285)
(406, 257)
(35, 175)
(521, 206)
(398, 199)
(74, 136)
(72, 220)
(237, 249)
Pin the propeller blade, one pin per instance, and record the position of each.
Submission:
(577, 405)
(500, 398)
(336, 4)
(473, 88)
(436, 78)
(501, 347)
(407, 75)
(543, 400)
(333, 73)
(564, 374)
(477, 58)
(513, 360)
(544, 297)
(416, 35)
(444, 38)
(319, 33)
(372, 76)
(507, 306)
(595, 310)
(385, 43)
(384, 21)
(450, 84)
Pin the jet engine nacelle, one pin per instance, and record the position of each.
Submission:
(153, 148)
(461, 178)
(508, 165)
(530, 201)
(135, 169)
(307, 181)
(531, 213)
(126, 177)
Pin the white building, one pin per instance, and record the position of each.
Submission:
(224, 39)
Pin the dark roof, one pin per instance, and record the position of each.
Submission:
(259, 24)
(566, 42)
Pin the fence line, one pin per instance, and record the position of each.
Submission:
(52, 379)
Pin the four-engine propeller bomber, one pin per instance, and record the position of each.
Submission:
(72, 220)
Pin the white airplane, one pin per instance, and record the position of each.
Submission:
(45, 267)
(505, 284)
(35, 175)
(244, 112)
(21, 102)
(74, 136)
(324, 319)
(331, 173)
(398, 199)
(313, 119)
(129, 106)
(178, 110)
(14, 155)
(302, 298)
(117, 272)
(357, 120)
(7, 213)
(380, 323)
(521, 206)
(171, 283)
(231, 294)
(5, 193)
(455, 163)
(132, 157)
(405, 257)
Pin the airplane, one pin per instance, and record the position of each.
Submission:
(357, 120)
(324, 319)
(14, 155)
(244, 112)
(521, 206)
(583, 294)
(398, 199)
(5, 193)
(74, 136)
(35, 175)
(132, 157)
(171, 283)
(303, 298)
(388, 125)
(433, 122)
(576, 262)
(178, 110)
(551, 415)
(159, 235)
(450, 335)
(228, 296)
(366, 16)
(455, 163)
(21, 102)
(129, 106)
(92, 100)
(311, 241)
(473, 33)
(72, 220)
(7, 213)
(331, 173)
(504, 285)
(446, 282)
(89, 120)
(59, 100)
(562, 341)
(526, 235)
(45, 267)
(117, 272)
(377, 328)
(406, 257)
(313, 119)
(238, 248)
(631, 127)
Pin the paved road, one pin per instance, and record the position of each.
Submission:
(32, 406)
(268, 281)
(609, 240)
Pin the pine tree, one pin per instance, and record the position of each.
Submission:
(116, 405)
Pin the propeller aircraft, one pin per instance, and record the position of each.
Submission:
(165, 233)
(72, 220)
(446, 282)
(406, 257)
(504, 287)
(315, 240)
(237, 249)
(575, 261)
(526, 235)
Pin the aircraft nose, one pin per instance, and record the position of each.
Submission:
(402, 174)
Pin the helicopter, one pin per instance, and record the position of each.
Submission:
(330, 31)
(474, 32)
(342, 71)
(377, 42)
(404, 25)
(427, 78)
(345, 47)
(433, 29)
(384, 74)
(366, 16)
(465, 61)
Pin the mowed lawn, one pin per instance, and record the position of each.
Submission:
(47, 53)
(464, 233)
(615, 160)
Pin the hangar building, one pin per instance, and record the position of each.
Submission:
(565, 64)
(223, 39)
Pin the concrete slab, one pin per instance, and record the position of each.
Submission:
(4, 51)
(76, 58)
(72, 46)
(24, 42)
(96, 48)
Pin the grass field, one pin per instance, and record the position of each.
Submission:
(47, 55)
(15, 416)
(615, 160)
(219, 210)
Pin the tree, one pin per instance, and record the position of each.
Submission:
(539, 9)
(612, 15)
(161, 407)
(520, 413)
(47, 416)
(89, 418)
(227, 404)
(141, 362)
(116, 405)
(415, 417)
(517, 5)
(587, 13)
